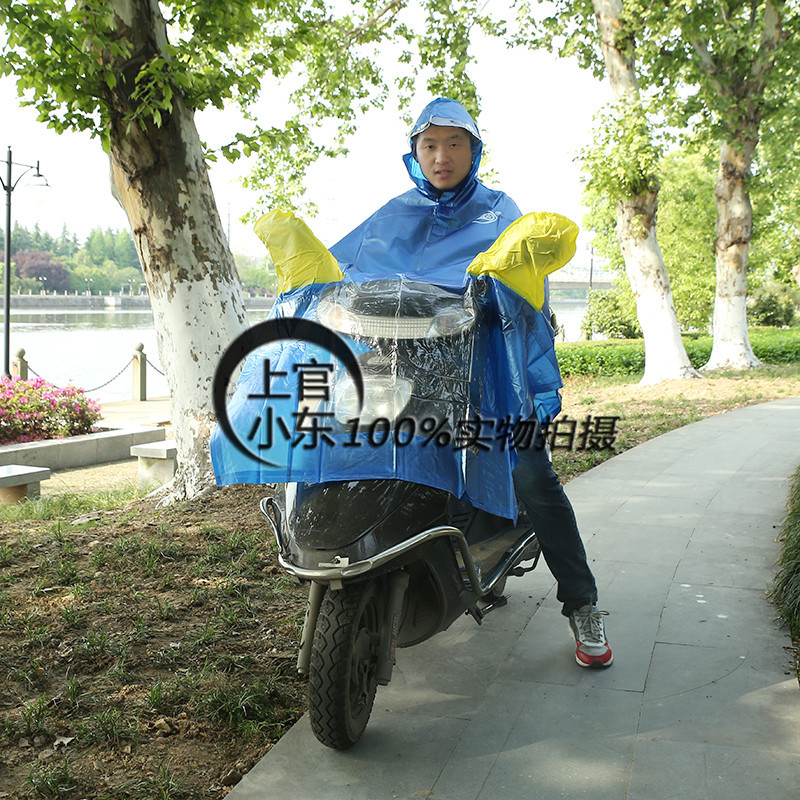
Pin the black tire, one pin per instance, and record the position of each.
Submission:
(342, 683)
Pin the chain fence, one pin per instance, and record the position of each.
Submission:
(128, 364)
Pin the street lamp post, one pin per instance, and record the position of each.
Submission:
(8, 186)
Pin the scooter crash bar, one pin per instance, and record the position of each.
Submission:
(342, 569)
(271, 510)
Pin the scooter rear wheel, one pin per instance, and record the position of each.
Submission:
(342, 682)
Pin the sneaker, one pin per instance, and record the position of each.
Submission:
(586, 625)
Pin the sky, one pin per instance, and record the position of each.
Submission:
(537, 114)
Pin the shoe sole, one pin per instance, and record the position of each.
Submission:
(595, 663)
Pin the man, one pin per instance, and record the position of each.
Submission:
(432, 233)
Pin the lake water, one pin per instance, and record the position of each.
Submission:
(93, 349)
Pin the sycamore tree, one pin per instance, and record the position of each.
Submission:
(622, 160)
(686, 220)
(775, 185)
(719, 67)
(134, 72)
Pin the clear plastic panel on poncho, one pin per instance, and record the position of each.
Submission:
(443, 389)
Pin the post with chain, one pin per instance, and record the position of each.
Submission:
(139, 374)
(19, 366)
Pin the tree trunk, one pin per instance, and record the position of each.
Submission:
(160, 178)
(744, 98)
(665, 355)
(731, 346)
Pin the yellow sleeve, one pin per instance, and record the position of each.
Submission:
(528, 250)
(300, 258)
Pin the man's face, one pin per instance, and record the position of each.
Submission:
(444, 155)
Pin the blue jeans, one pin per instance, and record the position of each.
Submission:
(541, 493)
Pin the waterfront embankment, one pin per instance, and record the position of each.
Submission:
(97, 302)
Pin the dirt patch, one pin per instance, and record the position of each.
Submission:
(146, 652)
(644, 412)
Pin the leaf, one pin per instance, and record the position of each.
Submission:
(62, 741)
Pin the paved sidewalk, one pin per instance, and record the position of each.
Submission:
(153, 412)
(701, 702)
(114, 474)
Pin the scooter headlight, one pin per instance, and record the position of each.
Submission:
(450, 322)
(384, 397)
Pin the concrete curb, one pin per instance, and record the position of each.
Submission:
(80, 451)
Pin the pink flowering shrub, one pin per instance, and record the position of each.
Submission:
(35, 409)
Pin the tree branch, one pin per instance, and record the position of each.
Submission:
(708, 66)
(353, 34)
(771, 35)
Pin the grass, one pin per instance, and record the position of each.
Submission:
(161, 642)
(136, 621)
(54, 781)
(68, 505)
(645, 412)
(786, 593)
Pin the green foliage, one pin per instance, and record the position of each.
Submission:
(604, 358)
(105, 66)
(621, 160)
(612, 312)
(716, 67)
(107, 262)
(284, 155)
(257, 274)
(786, 590)
(776, 345)
(686, 232)
(566, 27)
(443, 49)
(713, 71)
(610, 358)
(342, 78)
(40, 270)
(773, 304)
(775, 186)
(623, 157)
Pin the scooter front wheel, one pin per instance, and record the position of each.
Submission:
(342, 680)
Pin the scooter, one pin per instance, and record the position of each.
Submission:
(391, 562)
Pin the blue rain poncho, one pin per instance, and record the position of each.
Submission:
(423, 237)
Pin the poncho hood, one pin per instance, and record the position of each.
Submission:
(447, 113)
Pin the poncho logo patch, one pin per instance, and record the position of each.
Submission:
(485, 219)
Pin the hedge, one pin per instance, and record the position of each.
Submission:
(626, 356)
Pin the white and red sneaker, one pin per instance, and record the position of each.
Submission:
(591, 650)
